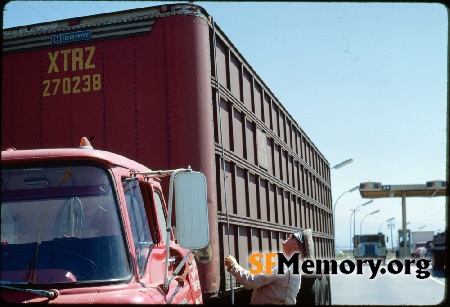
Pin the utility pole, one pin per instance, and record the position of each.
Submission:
(391, 225)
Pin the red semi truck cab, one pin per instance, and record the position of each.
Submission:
(89, 226)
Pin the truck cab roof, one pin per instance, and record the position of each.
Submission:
(105, 157)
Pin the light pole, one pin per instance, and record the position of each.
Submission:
(353, 214)
(391, 226)
(342, 164)
(339, 165)
(360, 225)
(334, 208)
(379, 229)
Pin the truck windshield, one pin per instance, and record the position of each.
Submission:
(370, 239)
(60, 225)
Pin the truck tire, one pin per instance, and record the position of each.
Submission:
(437, 261)
(305, 296)
(314, 290)
(326, 293)
(434, 262)
(318, 292)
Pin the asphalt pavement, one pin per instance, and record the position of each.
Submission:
(389, 288)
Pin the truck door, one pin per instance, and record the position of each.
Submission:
(143, 241)
(148, 245)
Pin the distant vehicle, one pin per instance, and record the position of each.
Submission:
(419, 241)
(421, 250)
(414, 240)
(437, 251)
(371, 246)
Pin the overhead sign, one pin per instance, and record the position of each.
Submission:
(437, 184)
(377, 190)
(370, 186)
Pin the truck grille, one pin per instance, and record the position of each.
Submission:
(370, 250)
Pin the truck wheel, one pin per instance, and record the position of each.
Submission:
(305, 296)
(437, 261)
(318, 292)
(434, 262)
(326, 294)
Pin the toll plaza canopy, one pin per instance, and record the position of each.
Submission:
(378, 190)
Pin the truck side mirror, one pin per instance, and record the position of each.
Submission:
(191, 210)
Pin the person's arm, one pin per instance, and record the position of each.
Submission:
(245, 278)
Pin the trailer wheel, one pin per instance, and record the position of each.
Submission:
(314, 291)
(326, 293)
(305, 296)
(318, 292)
(437, 261)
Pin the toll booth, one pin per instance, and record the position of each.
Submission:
(400, 253)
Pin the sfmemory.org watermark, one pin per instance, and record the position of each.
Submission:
(347, 266)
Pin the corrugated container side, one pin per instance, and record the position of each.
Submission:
(276, 179)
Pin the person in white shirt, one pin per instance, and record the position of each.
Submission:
(280, 289)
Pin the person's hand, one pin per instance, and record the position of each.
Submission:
(230, 261)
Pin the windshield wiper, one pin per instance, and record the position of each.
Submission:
(51, 294)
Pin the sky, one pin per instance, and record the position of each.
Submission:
(366, 81)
